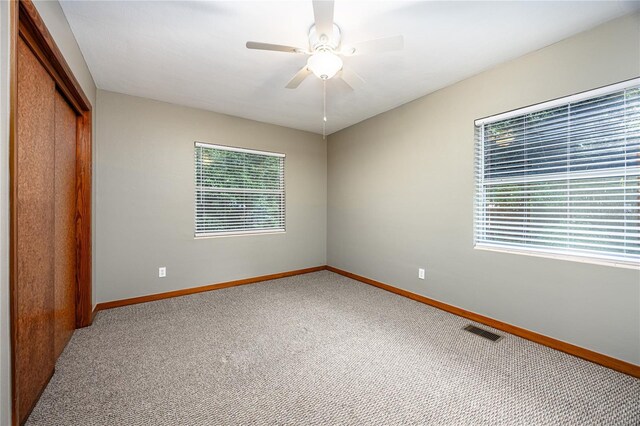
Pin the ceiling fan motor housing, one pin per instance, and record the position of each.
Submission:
(323, 42)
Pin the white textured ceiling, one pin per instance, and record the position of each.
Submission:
(193, 53)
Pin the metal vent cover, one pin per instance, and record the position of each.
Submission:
(483, 333)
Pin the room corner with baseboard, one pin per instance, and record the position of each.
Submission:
(369, 213)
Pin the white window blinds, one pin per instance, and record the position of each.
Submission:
(238, 191)
(563, 178)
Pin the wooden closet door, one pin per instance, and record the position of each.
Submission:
(50, 201)
(34, 246)
(65, 210)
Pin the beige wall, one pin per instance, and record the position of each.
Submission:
(400, 197)
(5, 350)
(145, 199)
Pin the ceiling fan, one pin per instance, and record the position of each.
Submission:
(325, 49)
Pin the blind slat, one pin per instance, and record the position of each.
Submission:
(238, 191)
(565, 179)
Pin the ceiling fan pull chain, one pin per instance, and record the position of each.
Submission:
(324, 109)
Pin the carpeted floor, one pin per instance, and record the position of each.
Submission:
(318, 349)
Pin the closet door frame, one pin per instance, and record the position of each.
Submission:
(27, 24)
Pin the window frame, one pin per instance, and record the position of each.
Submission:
(479, 193)
(248, 232)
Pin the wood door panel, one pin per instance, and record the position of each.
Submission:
(34, 352)
(65, 210)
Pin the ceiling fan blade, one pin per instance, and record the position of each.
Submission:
(385, 44)
(323, 14)
(274, 47)
(353, 80)
(298, 78)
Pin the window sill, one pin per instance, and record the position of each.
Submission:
(238, 234)
(557, 256)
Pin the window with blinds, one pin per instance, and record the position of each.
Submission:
(563, 178)
(238, 191)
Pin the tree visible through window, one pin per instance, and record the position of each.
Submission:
(238, 191)
(563, 179)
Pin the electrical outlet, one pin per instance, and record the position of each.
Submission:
(421, 273)
(162, 271)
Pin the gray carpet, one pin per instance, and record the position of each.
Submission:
(318, 349)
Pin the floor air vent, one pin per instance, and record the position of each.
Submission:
(483, 333)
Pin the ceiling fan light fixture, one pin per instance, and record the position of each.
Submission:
(324, 64)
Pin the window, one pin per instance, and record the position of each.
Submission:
(238, 191)
(562, 178)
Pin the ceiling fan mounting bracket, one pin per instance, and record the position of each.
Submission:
(323, 42)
